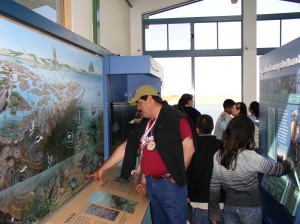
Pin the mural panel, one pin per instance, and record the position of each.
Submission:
(51, 121)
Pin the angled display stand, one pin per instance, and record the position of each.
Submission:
(114, 201)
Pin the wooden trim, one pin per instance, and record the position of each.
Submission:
(64, 13)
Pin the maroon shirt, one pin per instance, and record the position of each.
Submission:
(152, 163)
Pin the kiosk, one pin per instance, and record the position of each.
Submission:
(122, 76)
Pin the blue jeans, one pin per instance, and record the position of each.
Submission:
(168, 201)
(245, 215)
(201, 216)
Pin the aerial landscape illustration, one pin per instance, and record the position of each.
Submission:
(51, 121)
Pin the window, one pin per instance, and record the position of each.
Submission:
(179, 37)
(205, 35)
(268, 33)
(290, 30)
(46, 9)
(177, 78)
(232, 39)
(200, 76)
(216, 79)
(156, 37)
(58, 11)
(212, 63)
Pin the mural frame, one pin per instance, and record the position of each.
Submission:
(54, 185)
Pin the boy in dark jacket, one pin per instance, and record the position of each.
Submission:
(200, 170)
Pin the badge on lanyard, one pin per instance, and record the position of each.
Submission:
(148, 140)
(151, 145)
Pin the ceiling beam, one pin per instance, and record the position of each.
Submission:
(129, 3)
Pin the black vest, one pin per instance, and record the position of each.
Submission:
(168, 142)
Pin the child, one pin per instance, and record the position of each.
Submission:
(200, 170)
(224, 118)
(236, 166)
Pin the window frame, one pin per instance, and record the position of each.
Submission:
(209, 52)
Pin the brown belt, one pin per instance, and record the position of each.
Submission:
(160, 176)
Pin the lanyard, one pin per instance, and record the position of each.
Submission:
(148, 129)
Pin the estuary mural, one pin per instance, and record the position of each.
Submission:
(51, 121)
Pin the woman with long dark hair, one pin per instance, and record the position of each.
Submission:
(239, 108)
(185, 104)
(236, 168)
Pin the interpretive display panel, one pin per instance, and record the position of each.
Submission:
(269, 183)
(291, 200)
(114, 201)
(280, 119)
(280, 189)
(276, 186)
(51, 118)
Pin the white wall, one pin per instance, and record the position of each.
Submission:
(82, 14)
(115, 26)
(114, 23)
(120, 25)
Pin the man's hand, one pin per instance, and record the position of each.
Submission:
(98, 175)
(115, 158)
(141, 188)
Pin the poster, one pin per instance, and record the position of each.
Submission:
(51, 121)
